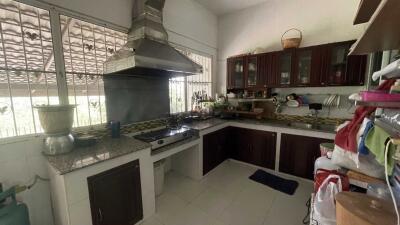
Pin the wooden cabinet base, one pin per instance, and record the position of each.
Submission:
(360, 209)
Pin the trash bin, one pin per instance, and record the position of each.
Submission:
(159, 177)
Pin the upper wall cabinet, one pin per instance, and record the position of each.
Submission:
(285, 68)
(316, 66)
(342, 69)
(236, 72)
(308, 67)
(252, 75)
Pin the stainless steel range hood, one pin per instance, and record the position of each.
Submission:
(147, 51)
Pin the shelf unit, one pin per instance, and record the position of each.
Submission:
(387, 105)
(392, 131)
(381, 33)
(365, 10)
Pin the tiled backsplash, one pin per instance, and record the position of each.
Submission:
(101, 131)
(309, 119)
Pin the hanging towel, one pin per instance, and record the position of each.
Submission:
(362, 149)
(346, 138)
(376, 142)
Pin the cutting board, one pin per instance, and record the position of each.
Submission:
(360, 209)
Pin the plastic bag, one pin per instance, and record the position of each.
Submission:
(324, 202)
(367, 163)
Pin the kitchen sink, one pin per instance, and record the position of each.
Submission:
(314, 126)
(304, 125)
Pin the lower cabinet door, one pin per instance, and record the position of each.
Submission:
(215, 149)
(254, 147)
(115, 196)
(298, 154)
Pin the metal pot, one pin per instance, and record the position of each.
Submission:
(58, 144)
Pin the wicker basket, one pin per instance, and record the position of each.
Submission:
(291, 42)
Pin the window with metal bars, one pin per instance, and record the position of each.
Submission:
(27, 67)
(86, 47)
(182, 89)
(27, 71)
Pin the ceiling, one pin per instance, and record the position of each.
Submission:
(221, 7)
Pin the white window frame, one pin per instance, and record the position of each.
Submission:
(184, 48)
(55, 24)
(55, 12)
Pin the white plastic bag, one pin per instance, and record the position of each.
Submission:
(367, 163)
(324, 201)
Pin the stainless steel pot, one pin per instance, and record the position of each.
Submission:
(58, 144)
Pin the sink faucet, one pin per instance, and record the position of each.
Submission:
(314, 113)
(314, 108)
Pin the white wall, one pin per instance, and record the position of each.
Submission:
(321, 21)
(20, 160)
(188, 24)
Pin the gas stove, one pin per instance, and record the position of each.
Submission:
(166, 136)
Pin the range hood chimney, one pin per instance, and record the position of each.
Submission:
(147, 51)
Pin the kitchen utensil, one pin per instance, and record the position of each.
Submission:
(292, 96)
(58, 144)
(85, 140)
(231, 95)
(57, 121)
(293, 103)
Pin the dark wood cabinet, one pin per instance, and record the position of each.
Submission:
(308, 67)
(115, 196)
(216, 149)
(285, 68)
(252, 74)
(254, 147)
(236, 72)
(315, 66)
(267, 65)
(341, 69)
(356, 70)
(298, 154)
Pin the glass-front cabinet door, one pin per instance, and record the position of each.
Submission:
(303, 72)
(252, 78)
(238, 72)
(337, 64)
(285, 68)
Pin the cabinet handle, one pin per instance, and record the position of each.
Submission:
(100, 215)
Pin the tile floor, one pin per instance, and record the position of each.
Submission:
(227, 197)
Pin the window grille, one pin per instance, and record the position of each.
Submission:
(182, 88)
(86, 47)
(27, 71)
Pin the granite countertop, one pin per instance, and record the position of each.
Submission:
(108, 148)
(202, 125)
(105, 149)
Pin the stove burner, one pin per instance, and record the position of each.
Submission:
(165, 136)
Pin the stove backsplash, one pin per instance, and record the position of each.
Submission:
(133, 99)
